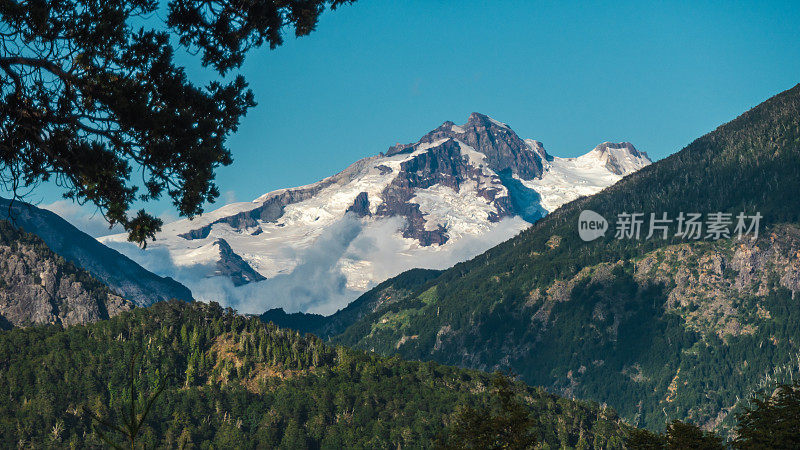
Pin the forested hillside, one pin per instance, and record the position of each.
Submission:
(233, 382)
(390, 291)
(600, 320)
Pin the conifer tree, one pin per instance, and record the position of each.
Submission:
(91, 94)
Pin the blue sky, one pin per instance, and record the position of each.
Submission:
(569, 74)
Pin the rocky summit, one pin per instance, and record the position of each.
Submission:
(454, 193)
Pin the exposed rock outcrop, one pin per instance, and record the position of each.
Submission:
(233, 266)
(705, 283)
(39, 287)
(502, 147)
(360, 206)
(121, 274)
(445, 165)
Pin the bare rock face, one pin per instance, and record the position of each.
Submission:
(617, 156)
(504, 150)
(704, 283)
(233, 266)
(443, 165)
(125, 277)
(360, 206)
(39, 287)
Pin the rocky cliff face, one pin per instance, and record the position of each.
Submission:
(39, 287)
(504, 150)
(124, 277)
(233, 266)
(442, 164)
(706, 285)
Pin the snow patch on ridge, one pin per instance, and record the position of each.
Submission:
(462, 213)
(497, 122)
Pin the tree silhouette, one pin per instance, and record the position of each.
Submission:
(678, 435)
(504, 424)
(90, 94)
(772, 420)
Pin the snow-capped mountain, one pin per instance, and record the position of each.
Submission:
(453, 194)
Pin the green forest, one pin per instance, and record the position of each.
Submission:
(231, 381)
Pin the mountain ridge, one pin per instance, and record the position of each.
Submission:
(230, 381)
(455, 192)
(125, 277)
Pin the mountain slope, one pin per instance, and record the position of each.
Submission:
(233, 382)
(604, 319)
(39, 287)
(391, 290)
(125, 278)
(445, 198)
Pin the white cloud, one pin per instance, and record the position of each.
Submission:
(317, 284)
(86, 218)
(229, 197)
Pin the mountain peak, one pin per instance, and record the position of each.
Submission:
(482, 119)
(449, 190)
(626, 146)
(620, 158)
(233, 266)
(501, 146)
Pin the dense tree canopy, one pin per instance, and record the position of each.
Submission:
(772, 420)
(91, 95)
(678, 435)
(216, 379)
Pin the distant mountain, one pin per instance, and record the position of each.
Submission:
(125, 278)
(447, 197)
(660, 329)
(39, 287)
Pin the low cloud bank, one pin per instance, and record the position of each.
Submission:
(317, 284)
(85, 218)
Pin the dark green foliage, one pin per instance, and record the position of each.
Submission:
(505, 423)
(678, 436)
(772, 420)
(684, 435)
(235, 382)
(90, 92)
(132, 423)
(641, 439)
